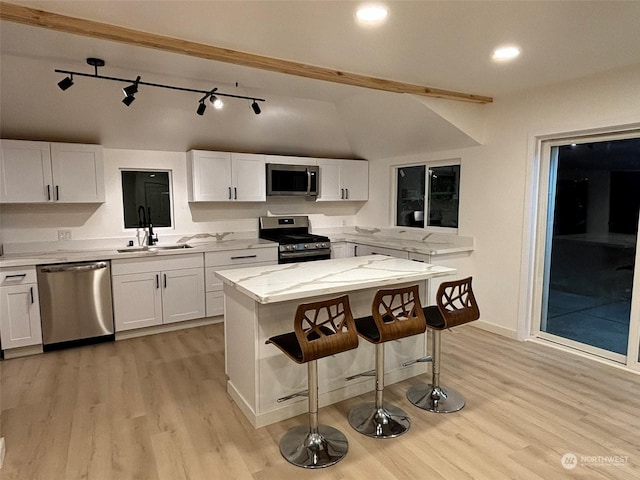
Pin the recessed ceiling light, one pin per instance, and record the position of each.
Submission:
(505, 53)
(372, 14)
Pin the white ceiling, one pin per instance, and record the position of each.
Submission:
(439, 44)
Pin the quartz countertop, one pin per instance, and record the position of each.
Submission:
(64, 256)
(408, 240)
(279, 283)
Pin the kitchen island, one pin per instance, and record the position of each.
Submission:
(261, 302)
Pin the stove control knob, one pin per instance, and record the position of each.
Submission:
(306, 245)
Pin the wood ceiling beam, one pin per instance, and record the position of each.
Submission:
(90, 28)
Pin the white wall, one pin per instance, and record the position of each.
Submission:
(40, 223)
(497, 177)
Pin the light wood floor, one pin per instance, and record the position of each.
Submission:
(156, 408)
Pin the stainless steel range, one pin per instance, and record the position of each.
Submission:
(296, 243)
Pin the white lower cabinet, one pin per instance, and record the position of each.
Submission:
(224, 260)
(363, 250)
(19, 308)
(158, 290)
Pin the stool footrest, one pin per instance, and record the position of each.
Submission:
(370, 373)
(424, 359)
(304, 393)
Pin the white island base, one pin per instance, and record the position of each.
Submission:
(260, 374)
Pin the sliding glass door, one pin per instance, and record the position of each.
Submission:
(588, 297)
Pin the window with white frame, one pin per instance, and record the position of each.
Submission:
(427, 195)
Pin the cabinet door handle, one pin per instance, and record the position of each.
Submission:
(229, 193)
(11, 277)
(416, 260)
(355, 251)
(157, 281)
(342, 194)
(165, 280)
(346, 197)
(31, 291)
(235, 193)
(243, 256)
(57, 193)
(48, 192)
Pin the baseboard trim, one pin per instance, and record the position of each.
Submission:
(22, 351)
(497, 329)
(170, 327)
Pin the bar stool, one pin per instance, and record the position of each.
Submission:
(455, 305)
(396, 313)
(320, 329)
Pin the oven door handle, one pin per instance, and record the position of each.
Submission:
(308, 181)
(305, 253)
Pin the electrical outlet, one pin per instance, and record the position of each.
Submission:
(64, 234)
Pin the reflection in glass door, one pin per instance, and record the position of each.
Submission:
(592, 234)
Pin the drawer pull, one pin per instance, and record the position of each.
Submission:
(15, 277)
(243, 256)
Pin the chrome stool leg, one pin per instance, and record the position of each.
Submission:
(313, 445)
(375, 419)
(435, 397)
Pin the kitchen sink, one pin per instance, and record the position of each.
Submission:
(153, 248)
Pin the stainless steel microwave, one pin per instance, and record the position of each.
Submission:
(292, 180)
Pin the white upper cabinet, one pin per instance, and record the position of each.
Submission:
(248, 177)
(41, 172)
(78, 173)
(224, 176)
(343, 180)
(209, 176)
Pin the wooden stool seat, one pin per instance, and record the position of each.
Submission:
(321, 329)
(396, 313)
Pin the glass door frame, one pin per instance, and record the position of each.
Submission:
(547, 167)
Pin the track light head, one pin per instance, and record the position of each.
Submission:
(128, 100)
(201, 108)
(256, 108)
(132, 89)
(65, 82)
(216, 102)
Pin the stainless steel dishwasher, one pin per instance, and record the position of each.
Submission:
(75, 303)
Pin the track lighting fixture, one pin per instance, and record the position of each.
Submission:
(130, 90)
(65, 82)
